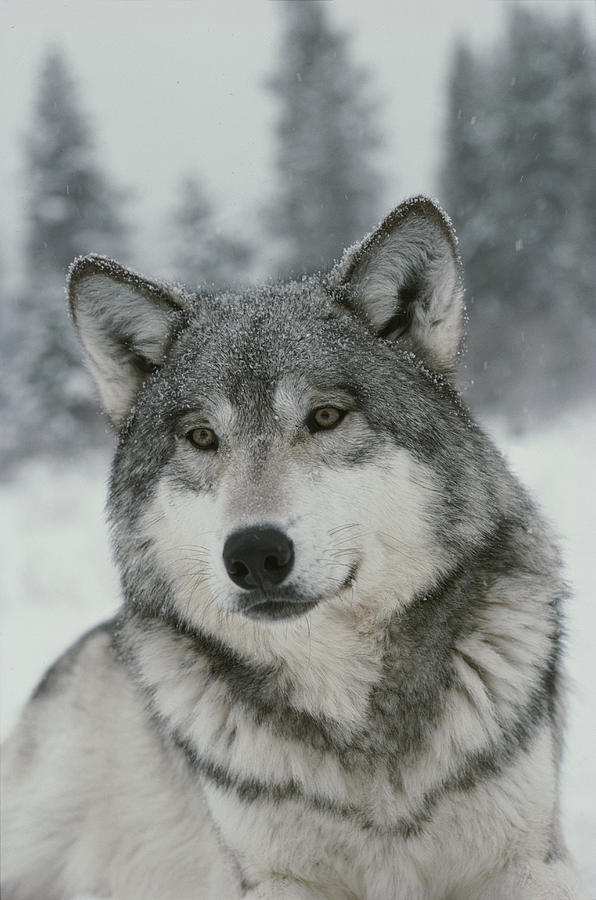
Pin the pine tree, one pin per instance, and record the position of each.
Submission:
(72, 210)
(466, 188)
(519, 141)
(579, 153)
(328, 187)
(202, 254)
(72, 206)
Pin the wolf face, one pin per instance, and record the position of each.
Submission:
(280, 450)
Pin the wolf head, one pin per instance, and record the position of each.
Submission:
(294, 449)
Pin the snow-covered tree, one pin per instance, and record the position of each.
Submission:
(518, 162)
(328, 186)
(202, 253)
(71, 209)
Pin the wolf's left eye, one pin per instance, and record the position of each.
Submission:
(203, 438)
(325, 418)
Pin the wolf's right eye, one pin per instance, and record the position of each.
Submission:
(203, 438)
(325, 418)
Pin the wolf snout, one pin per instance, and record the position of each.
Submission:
(258, 557)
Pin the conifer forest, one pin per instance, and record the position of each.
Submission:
(516, 174)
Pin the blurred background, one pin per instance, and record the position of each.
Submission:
(223, 143)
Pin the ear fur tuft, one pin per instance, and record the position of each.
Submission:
(125, 324)
(405, 279)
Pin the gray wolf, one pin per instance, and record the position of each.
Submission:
(336, 671)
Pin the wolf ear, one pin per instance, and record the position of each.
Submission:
(405, 278)
(124, 323)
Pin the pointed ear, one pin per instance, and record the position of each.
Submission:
(125, 324)
(405, 278)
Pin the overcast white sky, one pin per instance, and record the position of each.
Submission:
(177, 88)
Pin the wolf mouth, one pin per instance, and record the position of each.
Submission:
(259, 606)
(277, 609)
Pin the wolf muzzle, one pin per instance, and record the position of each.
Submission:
(258, 560)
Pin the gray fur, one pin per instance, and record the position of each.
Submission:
(399, 740)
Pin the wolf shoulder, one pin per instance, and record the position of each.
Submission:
(88, 770)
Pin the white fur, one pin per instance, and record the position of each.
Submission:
(100, 826)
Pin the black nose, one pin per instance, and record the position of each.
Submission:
(258, 558)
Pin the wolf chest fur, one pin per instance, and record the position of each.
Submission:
(336, 670)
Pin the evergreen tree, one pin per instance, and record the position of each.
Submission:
(466, 187)
(520, 138)
(72, 210)
(328, 188)
(202, 254)
(579, 110)
(72, 206)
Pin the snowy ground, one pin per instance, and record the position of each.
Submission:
(56, 579)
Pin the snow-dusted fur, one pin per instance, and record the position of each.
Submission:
(367, 708)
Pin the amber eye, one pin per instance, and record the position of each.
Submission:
(203, 438)
(325, 418)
